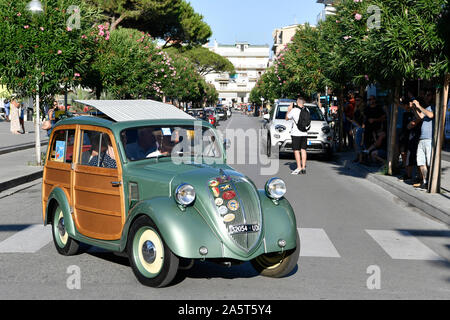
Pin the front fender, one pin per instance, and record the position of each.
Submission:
(58, 197)
(279, 223)
(183, 231)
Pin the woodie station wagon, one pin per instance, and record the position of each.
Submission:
(143, 188)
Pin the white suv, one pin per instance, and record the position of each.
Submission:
(278, 131)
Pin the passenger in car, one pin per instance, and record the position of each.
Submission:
(106, 158)
(87, 156)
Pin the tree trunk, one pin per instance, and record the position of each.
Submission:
(434, 184)
(392, 147)
(115, 23)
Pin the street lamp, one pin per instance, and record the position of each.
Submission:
(35, 7)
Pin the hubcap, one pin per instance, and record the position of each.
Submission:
(149, 251)
(61, 227)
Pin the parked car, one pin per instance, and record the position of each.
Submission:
(141, 188)
(278, 136)
(221, 113)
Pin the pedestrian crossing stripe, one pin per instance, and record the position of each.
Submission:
(29, 240)
(402, 245)
(314, 242)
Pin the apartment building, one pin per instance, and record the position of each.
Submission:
(327, 10)
(282, 37)
(250, 62)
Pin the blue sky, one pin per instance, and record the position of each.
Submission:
(253, 20)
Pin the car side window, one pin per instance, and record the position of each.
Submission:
(62, 146)
(97, 150)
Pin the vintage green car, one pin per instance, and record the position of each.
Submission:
(160, 191)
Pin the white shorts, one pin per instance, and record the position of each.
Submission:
(424, 153)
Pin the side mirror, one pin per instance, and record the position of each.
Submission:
(267, 117)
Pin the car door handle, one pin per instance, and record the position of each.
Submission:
(116, 183)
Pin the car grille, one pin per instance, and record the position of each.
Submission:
(250, 214)
(247, 214)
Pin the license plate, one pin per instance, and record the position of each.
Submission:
(243, 228)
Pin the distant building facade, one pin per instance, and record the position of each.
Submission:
(327, 11)
(250, 62)
(282, 37)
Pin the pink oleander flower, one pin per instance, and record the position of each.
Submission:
(77, 75)
(19, 14)
(69, 29)
(59, 51)
(42, 28)
(358, 16)
(26, 26)
(83, 36)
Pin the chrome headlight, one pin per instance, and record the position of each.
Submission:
(185, 194)
(280, 128)
(275, 188)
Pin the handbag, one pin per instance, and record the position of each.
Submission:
(47, 125)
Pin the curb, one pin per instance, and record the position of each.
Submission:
(416, 200)
(5, 150)
(21, 180)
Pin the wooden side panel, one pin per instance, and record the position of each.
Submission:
(99, 211)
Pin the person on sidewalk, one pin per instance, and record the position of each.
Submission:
(426, 114)
(358, 123)
(299, 137)
(409, 139)
(375, 119)
(6, 105)
(21, 118)
(14, 116)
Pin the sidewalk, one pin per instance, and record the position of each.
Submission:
(12, 142)
(17, 154)
(435, 205)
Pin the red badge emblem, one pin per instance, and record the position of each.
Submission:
(229, 195)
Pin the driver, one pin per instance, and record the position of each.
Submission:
(145, 144)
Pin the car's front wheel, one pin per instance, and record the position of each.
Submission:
(152, 261)
(277, 264)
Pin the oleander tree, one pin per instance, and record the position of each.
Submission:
(132, 66)
(52, 50)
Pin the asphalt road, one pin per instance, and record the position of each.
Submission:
(358, 242)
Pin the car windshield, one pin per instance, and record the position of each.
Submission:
(219, 110)
(170, 141)
(316, 114)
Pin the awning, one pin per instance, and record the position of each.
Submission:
(130, 110)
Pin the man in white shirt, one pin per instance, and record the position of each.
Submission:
(299, 138)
